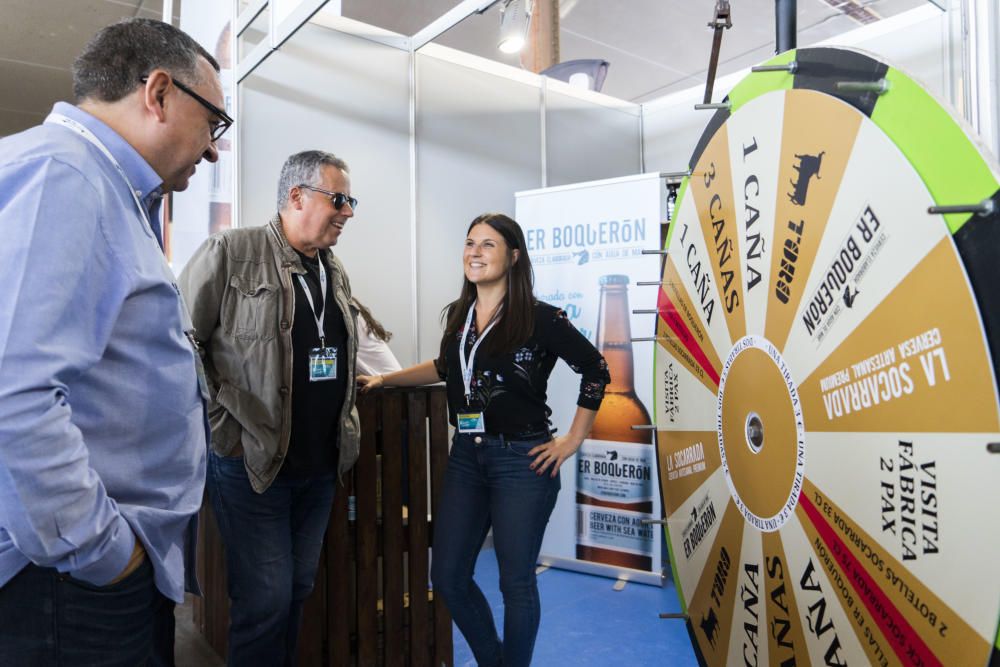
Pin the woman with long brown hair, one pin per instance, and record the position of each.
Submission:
(498, 350)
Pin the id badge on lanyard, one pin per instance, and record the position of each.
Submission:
(322, 359)
(322, 364)
(470, 421)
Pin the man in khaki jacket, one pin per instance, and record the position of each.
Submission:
(271, 310)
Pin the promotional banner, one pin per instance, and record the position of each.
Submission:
(586, 242)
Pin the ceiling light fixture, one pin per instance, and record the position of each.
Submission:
(515, 15)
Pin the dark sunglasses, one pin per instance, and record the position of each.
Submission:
(338, 198)
(218, 127)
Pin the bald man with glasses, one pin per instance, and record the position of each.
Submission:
(272, 312)
(103, 420)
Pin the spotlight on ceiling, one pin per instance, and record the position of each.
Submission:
(587, 73)
(515, 15)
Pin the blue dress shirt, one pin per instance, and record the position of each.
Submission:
(103, 433)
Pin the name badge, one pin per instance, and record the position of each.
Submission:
(471, 422)
(322, 364)
(198, 365)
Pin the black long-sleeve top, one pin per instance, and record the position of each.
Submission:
(312, 449)
(510, 389)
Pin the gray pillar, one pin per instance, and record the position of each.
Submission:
(784, 25)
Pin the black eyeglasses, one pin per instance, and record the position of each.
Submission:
(338, 198)
(218, 127)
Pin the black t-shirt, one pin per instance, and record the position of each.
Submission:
(316, 406)
(510, 388)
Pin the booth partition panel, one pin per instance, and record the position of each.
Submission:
(339, 93)
(589, 137)
(478, 140)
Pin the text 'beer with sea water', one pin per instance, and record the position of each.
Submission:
(614, 475)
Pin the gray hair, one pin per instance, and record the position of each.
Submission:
(119, 55)
(305, 168)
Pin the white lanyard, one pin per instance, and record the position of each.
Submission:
(69, 123)
(187, 326)
(467, 364)
(89, 136)
(321, 318)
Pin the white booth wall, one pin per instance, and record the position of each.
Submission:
(485, 131)
(477, 141)
(589, 137)
(481, 131)
(336, 92)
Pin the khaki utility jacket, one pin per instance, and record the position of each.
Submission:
(238, 288)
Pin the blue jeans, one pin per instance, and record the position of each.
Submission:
(49, 619)
(489, 484)
(272, 541)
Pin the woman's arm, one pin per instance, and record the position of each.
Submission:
(414, 376)
(557, 450)
(562, 338)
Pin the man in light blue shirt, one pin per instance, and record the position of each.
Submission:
(102, 415)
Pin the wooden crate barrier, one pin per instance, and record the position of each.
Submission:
(372, 604)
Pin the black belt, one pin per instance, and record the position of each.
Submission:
(507, 437)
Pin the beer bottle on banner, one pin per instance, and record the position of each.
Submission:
(614, 478)
(671, 201)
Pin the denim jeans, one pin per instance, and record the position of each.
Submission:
(489, 484)
(272, 542)
(49, 619)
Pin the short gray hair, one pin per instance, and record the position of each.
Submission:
(115, 59)
(305, 168)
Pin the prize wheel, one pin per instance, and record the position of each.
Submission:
(825, 383)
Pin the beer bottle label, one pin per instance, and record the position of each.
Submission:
(618, 472)
(613, 529)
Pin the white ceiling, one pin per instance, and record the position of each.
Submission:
(654, 46)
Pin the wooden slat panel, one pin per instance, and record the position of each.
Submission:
(438, 429)
(352, 551)
(367, 536)
(419, 541)
(313, 630)
(392, 528)
(200, 556)
(214, 588)
(338, 552)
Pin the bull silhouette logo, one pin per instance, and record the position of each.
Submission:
(849, 296)
(807, 167)
(710, 626)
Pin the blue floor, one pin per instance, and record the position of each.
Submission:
(586, 623)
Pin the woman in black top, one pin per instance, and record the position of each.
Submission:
(497, 352)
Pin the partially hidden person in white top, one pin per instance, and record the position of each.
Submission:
(374, 355)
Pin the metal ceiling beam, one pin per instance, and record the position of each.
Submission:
(448, 20)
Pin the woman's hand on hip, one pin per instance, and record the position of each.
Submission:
(551, 454)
